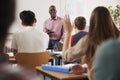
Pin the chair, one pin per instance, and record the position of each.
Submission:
(31, 60)
(7, 56)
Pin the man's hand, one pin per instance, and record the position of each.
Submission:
(49, 32)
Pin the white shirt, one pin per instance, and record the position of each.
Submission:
(30, 40)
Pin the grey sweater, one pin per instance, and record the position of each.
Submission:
(107, 61)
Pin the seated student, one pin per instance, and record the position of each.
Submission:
(107, 61)
(29, 39)
(80, 23)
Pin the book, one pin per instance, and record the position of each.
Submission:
(56, 68)
(64, 68)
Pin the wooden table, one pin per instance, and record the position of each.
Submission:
(60, 76)
(12, 59)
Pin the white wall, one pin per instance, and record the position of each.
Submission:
(83, 7)
(40, 7)
(72, 7)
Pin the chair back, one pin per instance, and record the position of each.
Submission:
(31, 60)
(7, 57)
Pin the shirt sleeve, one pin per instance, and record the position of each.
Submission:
(76, 51)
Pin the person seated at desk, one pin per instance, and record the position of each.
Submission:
(80, 23)
(29, 39)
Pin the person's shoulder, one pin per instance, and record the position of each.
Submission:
(21, 30)
(85, 37)
(59, 17)
(16, 33)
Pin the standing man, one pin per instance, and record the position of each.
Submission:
(54, 27)
(29, 39)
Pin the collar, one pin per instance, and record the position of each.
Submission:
(54, 18)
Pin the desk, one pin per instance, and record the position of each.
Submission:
(12, 59)
(60, 76)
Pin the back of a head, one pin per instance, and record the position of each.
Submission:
(80, 22)
(101, 29)
(106, 64)
(101, 24)
(27, 17)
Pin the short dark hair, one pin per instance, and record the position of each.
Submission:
(27, 17)
(80, 22)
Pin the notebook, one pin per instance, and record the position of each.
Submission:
(56, 68)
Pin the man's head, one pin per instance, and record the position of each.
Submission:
(27, 17)
(52, 11)
(80, 23)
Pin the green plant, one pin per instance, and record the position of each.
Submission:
(115, 12)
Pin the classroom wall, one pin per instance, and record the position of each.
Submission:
(83, 7)
(72, 7)
(40, 7)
